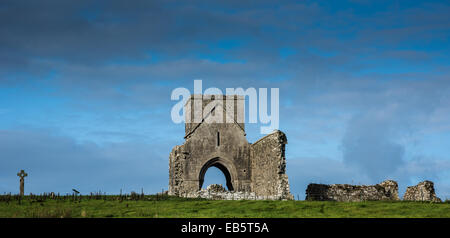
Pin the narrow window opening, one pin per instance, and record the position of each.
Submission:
(218, 139)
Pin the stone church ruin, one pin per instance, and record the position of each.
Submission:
(252, 171)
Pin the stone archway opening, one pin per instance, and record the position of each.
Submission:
(219, 165)
(214, 176)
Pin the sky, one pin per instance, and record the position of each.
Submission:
(85, 88)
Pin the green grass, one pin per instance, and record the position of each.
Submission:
(192, 208)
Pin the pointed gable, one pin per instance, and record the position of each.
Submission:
(227, 119)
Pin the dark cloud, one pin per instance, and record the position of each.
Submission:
(111, 31)
(85, 32)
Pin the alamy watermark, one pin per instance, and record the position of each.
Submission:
(208, 113)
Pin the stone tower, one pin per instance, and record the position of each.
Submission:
(215, 136)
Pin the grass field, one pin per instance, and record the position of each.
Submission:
(154, 207)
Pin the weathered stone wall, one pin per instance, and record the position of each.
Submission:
(424, 191)
(217, 192)
(233, 106)
(269, 166)
(189, 162)
(387, 190)
(176, 169)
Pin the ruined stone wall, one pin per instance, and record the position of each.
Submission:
(387, 190)
(177, 166)
(424, 191)
(268, 163)
(189, 162)
(217, 192)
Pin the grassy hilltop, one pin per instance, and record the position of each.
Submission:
(158, 207)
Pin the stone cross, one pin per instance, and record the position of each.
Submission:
(22, 176)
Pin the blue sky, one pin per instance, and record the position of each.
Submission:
(85, 88)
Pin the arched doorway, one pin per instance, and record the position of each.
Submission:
(218, 163)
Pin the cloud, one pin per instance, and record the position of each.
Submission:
(368, 145)
(89, 33)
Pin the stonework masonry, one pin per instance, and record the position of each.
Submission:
(424, 191)
(217, 192)
(252, 171)
(387, 190)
